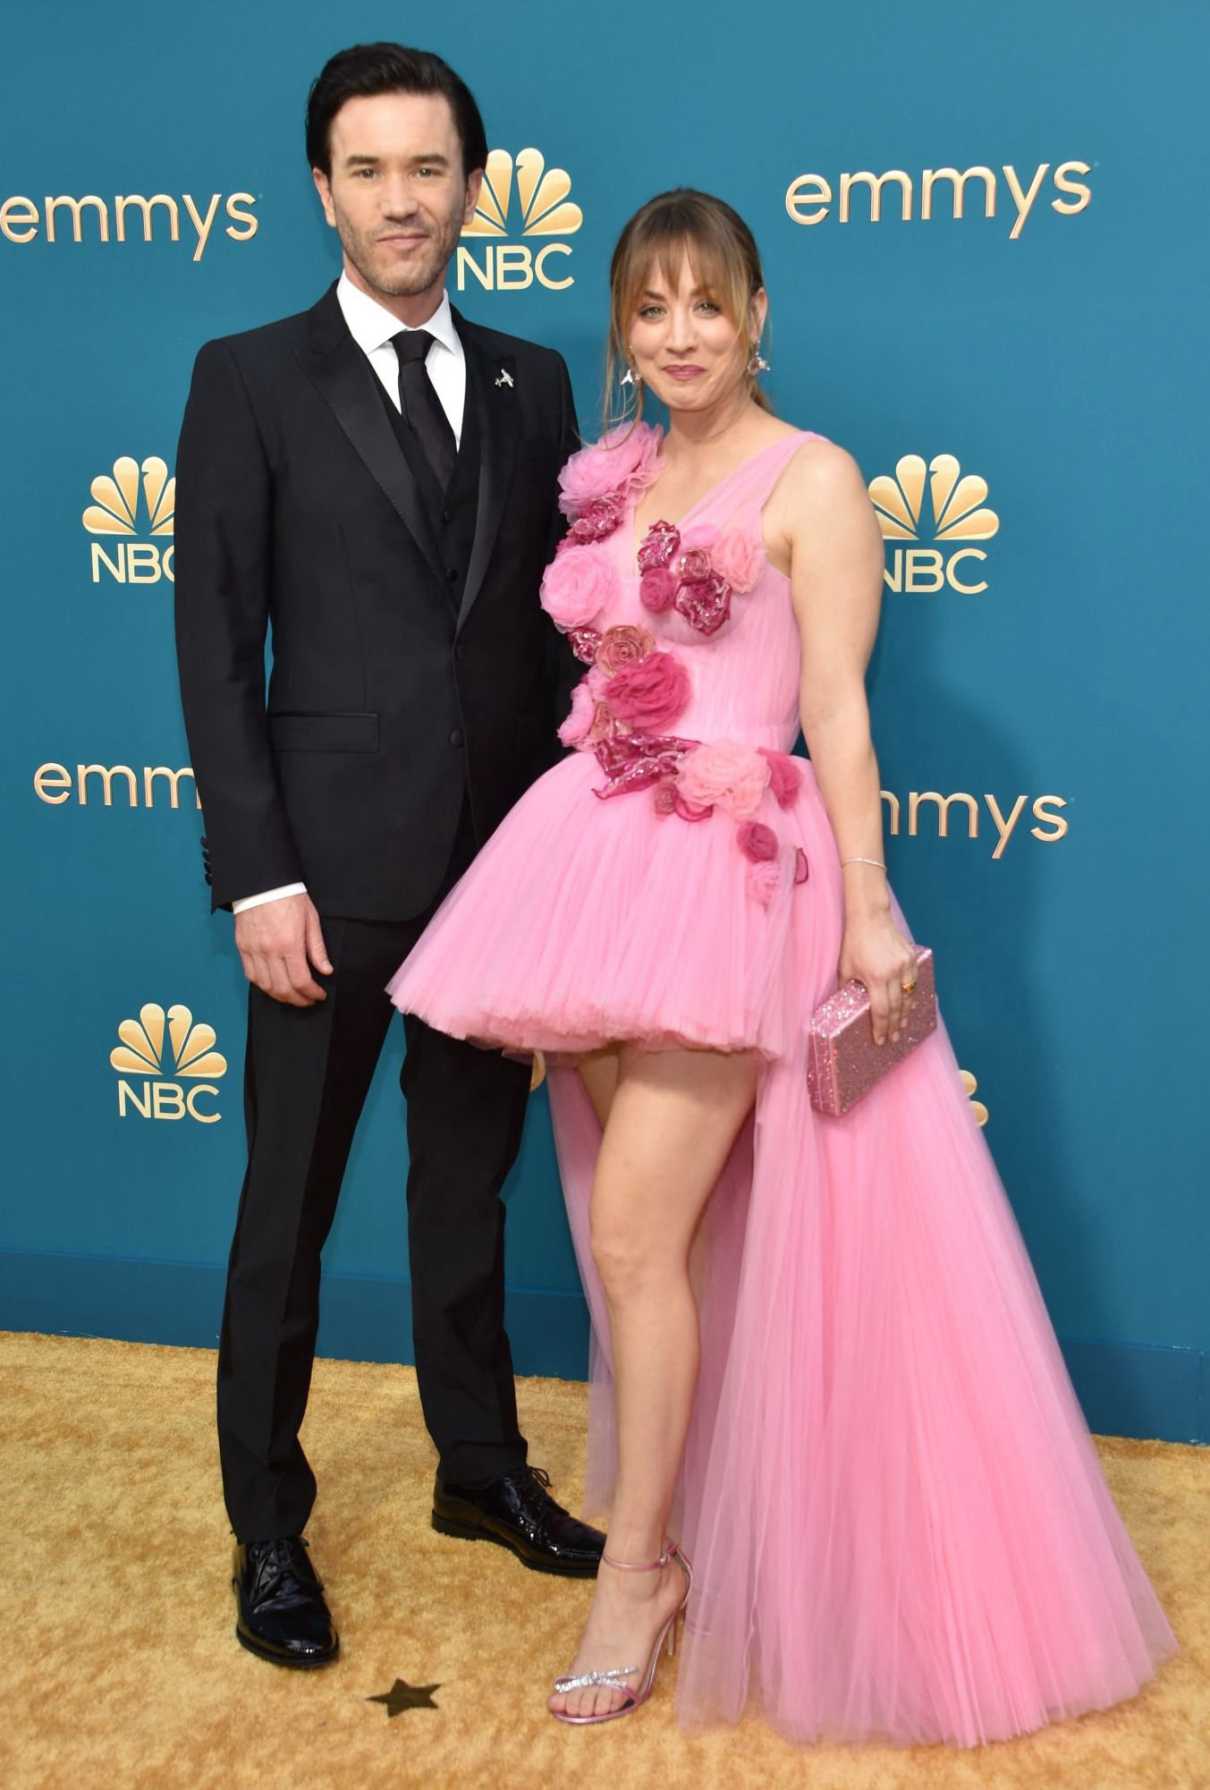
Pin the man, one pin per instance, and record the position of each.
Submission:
(375, 479)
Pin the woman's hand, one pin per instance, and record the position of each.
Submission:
(879, 956)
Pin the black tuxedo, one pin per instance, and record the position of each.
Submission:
(297, 508)
(415, 690)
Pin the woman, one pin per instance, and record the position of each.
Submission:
(897, 1520)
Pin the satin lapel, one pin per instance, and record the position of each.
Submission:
(345, 379)
(491, 387)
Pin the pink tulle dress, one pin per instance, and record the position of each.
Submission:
(897, 1519)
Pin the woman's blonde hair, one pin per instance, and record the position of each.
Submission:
(725, 260)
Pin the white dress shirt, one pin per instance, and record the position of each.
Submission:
(371, 326)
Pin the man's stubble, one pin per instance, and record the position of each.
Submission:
(400, 282)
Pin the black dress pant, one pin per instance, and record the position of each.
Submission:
(306, 1077)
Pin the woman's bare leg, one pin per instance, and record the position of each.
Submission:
(669, 1128)
(599, 1073)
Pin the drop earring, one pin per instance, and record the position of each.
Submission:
(758, 364)
(629, 377)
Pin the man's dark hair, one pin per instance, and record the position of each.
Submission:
(369, 69)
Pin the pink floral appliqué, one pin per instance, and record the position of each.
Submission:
(622, 646)
(637, 760)
(705, 602)
(584, 644)
(650, 695)
(737, 558)
(757, 841)
(697, 573)
(659, 546)
(588, 720)
(620, 464)
(598, 519)
(785, 775)
(694, 562)
(725, 773)
(657, 589)
(577, 585)
(628, 690)
(703, 595)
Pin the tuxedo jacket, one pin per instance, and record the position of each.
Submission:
(390, 699)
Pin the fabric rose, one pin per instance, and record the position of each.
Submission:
(757, 841)
(578, 585)
(575, 730)
(660, 546)
(692, 810)
(737, 558)
(663, 798)
(584, 644)
(623, 646)
(650, 695)
(694, 563)
(785, 775)
(724, 772)
(657, 589)
(705, 603)
(763, 879)
(622, 462)
(597, 520)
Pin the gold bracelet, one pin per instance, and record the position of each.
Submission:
(876, 861)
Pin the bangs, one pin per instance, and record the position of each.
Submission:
(661, 251)
(707, 266)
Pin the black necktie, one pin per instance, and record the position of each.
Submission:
(421, 407)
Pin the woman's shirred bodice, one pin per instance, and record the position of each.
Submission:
(703, 593)
(690, 647)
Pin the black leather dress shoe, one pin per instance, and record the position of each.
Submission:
(282, 1613)
(518, 1512)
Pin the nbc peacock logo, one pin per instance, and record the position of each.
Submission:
(132, 500)
(544, 210)
(173, 1063)
(958, 502)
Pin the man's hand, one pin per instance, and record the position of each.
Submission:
(280, 943)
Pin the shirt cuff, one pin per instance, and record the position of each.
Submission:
(247, 901)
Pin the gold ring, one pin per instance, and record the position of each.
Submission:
(908, 987)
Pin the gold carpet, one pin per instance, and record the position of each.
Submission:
(120, 1670)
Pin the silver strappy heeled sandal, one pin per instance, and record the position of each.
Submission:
(615, 1677)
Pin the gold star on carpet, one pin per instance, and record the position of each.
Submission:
(403, 1696)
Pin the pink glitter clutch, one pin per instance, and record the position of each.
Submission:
(843, 1061)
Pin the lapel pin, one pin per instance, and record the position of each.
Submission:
(504, 377)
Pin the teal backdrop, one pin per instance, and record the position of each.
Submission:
(1029, 324)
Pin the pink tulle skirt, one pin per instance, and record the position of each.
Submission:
(898, 1522)
(583, 921)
